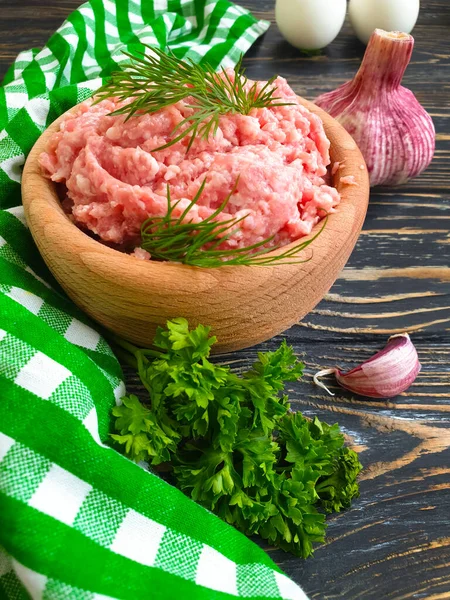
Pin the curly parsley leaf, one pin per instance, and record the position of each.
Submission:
(141, 434)
(337, 490)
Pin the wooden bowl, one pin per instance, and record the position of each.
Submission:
(243, 305)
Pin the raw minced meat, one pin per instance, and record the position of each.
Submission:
(348, 180)
(115, 179)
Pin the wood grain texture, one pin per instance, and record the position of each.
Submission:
(394, 543)
(242, 305)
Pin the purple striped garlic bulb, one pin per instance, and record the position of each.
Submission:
(393, 131)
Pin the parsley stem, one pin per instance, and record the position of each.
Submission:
(124, 356)
(118, 341)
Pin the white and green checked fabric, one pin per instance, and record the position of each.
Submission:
(77, 519)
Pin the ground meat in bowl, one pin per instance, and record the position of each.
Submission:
(275, 159)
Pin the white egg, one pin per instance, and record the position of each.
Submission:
(310, 24)
(390, 15)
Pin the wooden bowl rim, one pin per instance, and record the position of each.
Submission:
(341, 143)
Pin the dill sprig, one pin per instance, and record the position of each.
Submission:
(176, 239)
(153, 81)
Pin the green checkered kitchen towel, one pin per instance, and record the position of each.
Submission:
(77, 519)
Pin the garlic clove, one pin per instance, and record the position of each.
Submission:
(393, 131)
(388, 373)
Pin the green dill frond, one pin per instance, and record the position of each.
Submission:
(178, 239)
(151, 82)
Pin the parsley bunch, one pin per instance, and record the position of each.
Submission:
(231, 441)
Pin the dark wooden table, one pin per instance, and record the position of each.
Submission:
(395, 541)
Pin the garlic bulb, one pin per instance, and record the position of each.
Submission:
(391, 15)
(310, 24)
(389, 373)
(393, 131)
